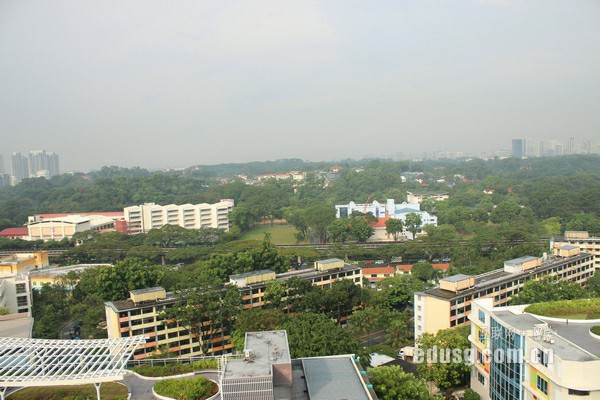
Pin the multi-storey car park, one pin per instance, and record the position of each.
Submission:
(449, 304)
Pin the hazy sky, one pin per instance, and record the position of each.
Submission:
(176, 83)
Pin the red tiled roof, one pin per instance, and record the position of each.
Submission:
(409, 267)
(380, 223)
(14, 232)
(378, 270)
(103, 213)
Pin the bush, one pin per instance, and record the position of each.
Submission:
(470, 394)
(590, 308)
(174, 369)
(197, 388)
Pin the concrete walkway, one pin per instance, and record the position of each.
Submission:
(141, 389)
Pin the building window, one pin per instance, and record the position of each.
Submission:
(481, 337)
(481, 378)
(21, 301)
(575, 392)
(481, 316)
(542, 385)
(20, 288)
(542, 357)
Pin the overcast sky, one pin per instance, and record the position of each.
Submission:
(175, 83)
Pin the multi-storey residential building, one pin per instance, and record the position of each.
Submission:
(19, 167)
(143, 218)
(252, 285)
(582, 239)
(43, 164)
(15, 293)
(449, 304)
(141, 313)
(521, 356)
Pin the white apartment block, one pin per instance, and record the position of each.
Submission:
(15, 293)
(143, 218)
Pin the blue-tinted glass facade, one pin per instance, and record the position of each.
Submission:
(506, 373)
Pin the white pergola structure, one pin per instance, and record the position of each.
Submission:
(47, 362)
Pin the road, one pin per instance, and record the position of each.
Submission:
(373, 338)
(65, 330)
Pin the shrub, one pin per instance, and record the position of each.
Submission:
(174, 369)
(197, 388)
(588, 307)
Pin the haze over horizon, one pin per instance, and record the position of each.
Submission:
(175, 84)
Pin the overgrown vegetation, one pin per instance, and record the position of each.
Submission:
(197, 388)
(573, 309)
(174, 369)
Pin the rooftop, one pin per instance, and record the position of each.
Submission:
(457, 278)
(251, 273)
(499, 276)
(335, 377)
(264, 349)
(16, 325)
(147, 290)
(571, 341)
(520, 260)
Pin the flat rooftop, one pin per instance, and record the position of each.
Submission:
(334, 378)
(520, 260)
(266, 348)
(522, 322)
(579, 334)
(59, 271)
(571, 341)
(16, 326)
(499, 276)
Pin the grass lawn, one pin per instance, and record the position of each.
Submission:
(280, 234)
(108, 391)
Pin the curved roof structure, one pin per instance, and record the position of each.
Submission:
(48, 362)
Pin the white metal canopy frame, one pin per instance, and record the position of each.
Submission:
(48, 362)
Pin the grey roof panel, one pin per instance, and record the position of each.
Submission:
(334, 378)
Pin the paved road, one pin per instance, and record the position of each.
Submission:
(373, 338)
(141, 389)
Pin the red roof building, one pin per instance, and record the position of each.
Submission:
(14, 233)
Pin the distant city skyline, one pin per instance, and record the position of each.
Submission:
(147, 84)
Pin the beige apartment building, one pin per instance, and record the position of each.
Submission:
(449, 304)
(582, 239)
(141, 313)
(143, 218)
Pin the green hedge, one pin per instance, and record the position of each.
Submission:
(197, 388)
(174, 369)
(596, 330)
(588, 308)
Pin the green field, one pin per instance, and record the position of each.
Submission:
(280, 234)
(109, 391)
